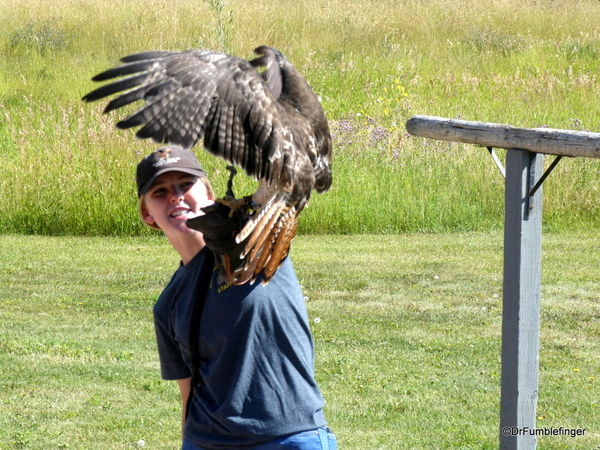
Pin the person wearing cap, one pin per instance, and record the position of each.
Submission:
(164, 175)
(255, 353)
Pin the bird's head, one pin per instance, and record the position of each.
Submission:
(285, 82)
(293, 92)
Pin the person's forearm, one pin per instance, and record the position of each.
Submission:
(184, 389)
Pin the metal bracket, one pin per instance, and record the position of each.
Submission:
(545, 175)
(538, 184)
(497, 161)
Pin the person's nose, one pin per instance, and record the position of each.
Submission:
(177, 195)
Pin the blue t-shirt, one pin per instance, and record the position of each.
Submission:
(257, 357)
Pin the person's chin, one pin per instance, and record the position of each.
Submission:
(179, 224)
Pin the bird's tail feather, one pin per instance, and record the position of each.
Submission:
(262, 230)
(266, 239)
(280, 249)
(259, 219)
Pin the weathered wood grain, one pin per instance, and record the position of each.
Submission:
(521, 299)
(538, 140)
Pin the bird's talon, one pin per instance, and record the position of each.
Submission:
(233, 203)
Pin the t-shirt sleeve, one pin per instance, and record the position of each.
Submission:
(172, 365)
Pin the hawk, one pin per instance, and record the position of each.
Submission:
(270, 124)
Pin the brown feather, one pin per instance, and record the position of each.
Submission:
(262, 215)
(271, 125)
(246, 274)
(281, 249)
(260, 232)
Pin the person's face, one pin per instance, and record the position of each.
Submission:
(174, 198)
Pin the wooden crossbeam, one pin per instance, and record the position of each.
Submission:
(538, 140)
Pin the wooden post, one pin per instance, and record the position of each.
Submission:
(521, 300)
(522, 252)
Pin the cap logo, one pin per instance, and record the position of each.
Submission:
(164, 162)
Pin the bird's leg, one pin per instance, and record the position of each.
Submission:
(229, 199)
(232, 174)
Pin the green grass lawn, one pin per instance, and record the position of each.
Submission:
(407, 331)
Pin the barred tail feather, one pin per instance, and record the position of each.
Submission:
(281, 249)
(266, 245)
(262, 231)
(261, 217)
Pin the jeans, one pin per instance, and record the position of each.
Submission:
(319, 439)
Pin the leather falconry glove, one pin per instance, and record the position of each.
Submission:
(219, 229)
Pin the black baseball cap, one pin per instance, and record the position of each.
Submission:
(170, 158)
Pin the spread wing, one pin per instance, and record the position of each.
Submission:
(200, 94)
(271, 125)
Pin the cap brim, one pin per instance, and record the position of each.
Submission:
(196, 172)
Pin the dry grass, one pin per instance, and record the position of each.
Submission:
(375, 64)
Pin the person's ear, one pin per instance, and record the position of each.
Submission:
(147, 217)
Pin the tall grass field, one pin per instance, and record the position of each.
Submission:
(66, 170)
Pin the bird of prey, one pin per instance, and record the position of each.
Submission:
(270, 124)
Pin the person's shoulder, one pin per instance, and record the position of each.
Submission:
(285, 279)
(185, 277)
(285, 273)
(197, 262)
